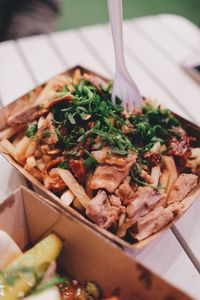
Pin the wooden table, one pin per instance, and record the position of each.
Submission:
(155, 47)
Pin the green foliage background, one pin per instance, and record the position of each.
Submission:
(76, 13)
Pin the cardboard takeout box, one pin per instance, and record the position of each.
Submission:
(23, 102)
(86, 255)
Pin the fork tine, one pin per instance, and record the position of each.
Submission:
(130, 100)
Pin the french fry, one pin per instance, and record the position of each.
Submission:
(36, 173)
(156, 147)
(49, 91)
(74, 186)
(31, 148)
(163, 148)
(45, 149)
(67, 198)
(173, 174)
(192, 163)
(31, 162)
(54, 151)
(77, 76)
(164, 178)
(46, 158)
(121, 232)
(38, 153)
(8, 147)
(46, 181)
(40, 121)
(22, 146)
(155, 174)
(77, 205)
(18, 137)
(195, 152)
(41, 164)
(9, 132)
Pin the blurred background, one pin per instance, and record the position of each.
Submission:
(76, 13)
(19, 18)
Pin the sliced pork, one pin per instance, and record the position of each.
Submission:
(23, 116)
(100, 210)
(109, 177)
(67, 97)
(182, 186)
(97, 82)
(126, 193)
(156, 220)
(51, 136)
(104, 156)
(144, 200)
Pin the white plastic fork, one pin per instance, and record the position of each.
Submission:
(123, 87)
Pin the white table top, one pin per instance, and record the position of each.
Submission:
(155, 47)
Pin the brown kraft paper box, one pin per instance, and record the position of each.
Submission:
(86, 254)
(17, 105)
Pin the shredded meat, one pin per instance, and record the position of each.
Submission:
(115, 201)
(54, 182)
(97, 82)
(67, 97)
(193, 165)
(180, 146)
(100, 210)
(154, 158)
(55, 162)
(156, 220)
(146, 176)
(144, 200)
(109, 177)
(126, 193)
(104, 156)
(78, 169)
(47, 124)
(101, 155)
(23, 116)
(182, 186)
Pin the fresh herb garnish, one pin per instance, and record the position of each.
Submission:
(52, 282)
(90, 162)
(64, 165)
(140, 181)
(92, 118)
(31, 130)
(46, 134)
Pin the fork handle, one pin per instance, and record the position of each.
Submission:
(116, 17)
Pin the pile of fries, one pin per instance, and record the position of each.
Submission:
(31, 138)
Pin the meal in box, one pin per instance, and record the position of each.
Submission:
(33, 273)
(126, 172)
(90, 267)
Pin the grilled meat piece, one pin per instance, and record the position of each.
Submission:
(104, 156)
(180, 146)
(182, 186)
(156, 220)
(51, 137)
(193, 165)
(126, 193)
(54, 182)
(67, 97)
(97, 82)
(153, 158)
(144, 200)
(100, 210)
(109, 177)
(23, 116)
(78, 169)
